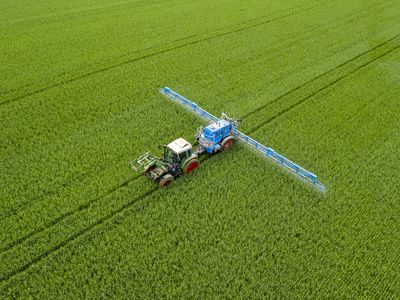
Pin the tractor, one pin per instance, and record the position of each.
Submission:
(180, 159)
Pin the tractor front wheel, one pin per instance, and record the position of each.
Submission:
(166, 180)
(191, 165)
(228, 143)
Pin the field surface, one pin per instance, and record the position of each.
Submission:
(318, 81)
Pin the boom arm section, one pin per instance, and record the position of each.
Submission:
(281, 160)
(266, 151)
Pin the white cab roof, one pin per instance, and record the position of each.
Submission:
(180, 145)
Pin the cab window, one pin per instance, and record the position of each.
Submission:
(183, 155)
(170, 155)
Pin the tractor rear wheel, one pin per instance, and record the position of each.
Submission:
(227, 143)
(191, 165)
(166, 180)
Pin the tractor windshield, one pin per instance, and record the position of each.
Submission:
(170, 156)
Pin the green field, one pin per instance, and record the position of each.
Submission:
(318, 81)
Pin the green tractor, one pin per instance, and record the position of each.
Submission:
(179, 159)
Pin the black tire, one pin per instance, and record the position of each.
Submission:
(227, 143)
(166, 180)
(191, 165)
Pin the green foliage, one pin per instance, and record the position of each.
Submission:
(318, 82)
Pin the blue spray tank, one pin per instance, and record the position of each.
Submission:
(217, 136)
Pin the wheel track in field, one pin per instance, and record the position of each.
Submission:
(203, 38)
(324, 88)
(147, 194)
(22, 206)
(60, 186)
(57, 220)
(90, 9)
(322, 75)
(74, 236)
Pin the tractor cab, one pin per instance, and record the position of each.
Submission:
(180, 157)
(177, 151)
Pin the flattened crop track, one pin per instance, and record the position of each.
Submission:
(320, 83)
